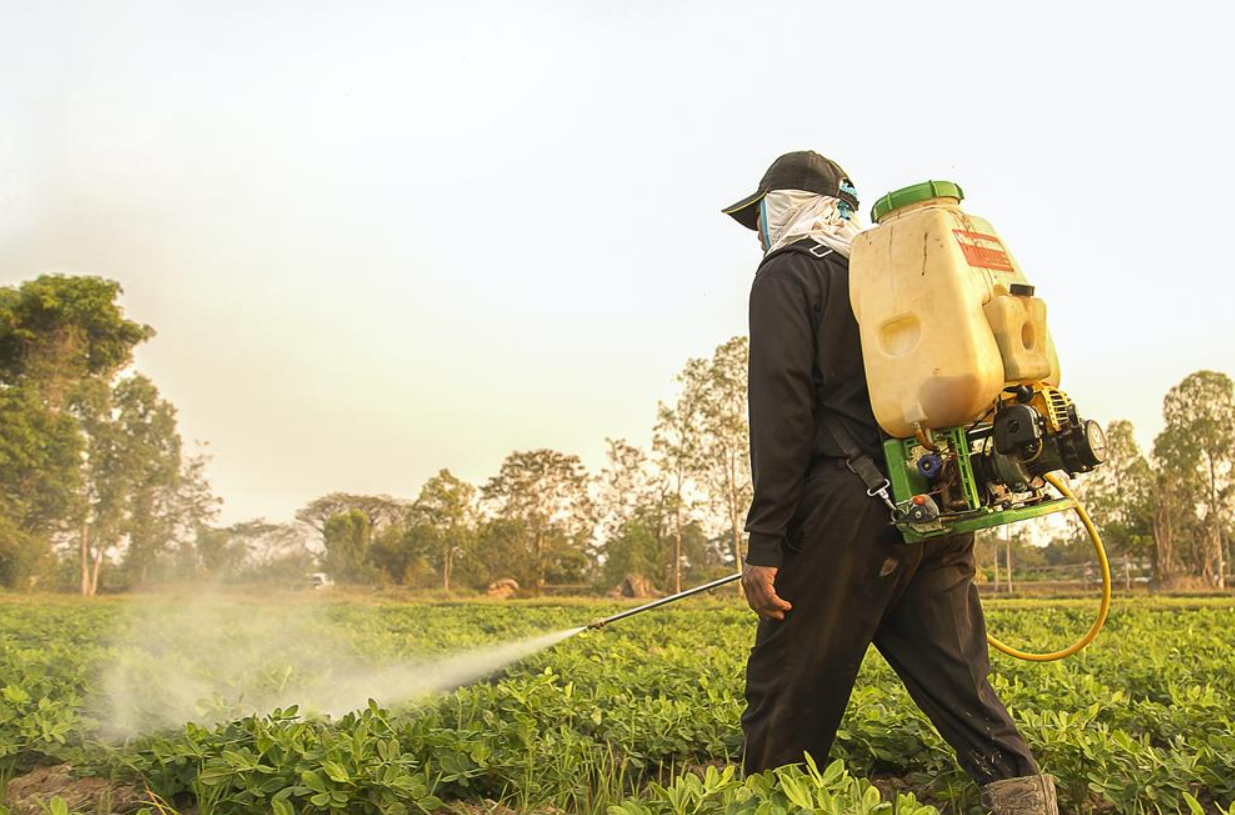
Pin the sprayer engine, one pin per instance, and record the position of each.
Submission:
(1035, 432)
(993, 471)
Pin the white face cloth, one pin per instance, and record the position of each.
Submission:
(791, 215)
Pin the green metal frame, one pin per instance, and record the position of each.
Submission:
(907, 482)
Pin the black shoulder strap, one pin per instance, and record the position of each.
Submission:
(806, 246)
(858, 462)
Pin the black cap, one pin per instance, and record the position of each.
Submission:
(803, 170)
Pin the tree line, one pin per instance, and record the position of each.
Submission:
(97, 489)
(669, 515)
(1175, 503)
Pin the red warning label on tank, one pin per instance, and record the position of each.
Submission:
(983, 251)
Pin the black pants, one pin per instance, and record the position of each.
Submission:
(852, 581)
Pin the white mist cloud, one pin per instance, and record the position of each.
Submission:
(209, 660)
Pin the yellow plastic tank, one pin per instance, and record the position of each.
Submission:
(947, 317)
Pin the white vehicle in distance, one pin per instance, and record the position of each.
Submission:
(320, 580)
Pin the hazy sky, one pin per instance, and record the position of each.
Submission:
(380, 239)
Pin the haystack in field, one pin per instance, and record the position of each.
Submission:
(635, 585)
(503, 589)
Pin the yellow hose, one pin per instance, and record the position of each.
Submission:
(1106, 587)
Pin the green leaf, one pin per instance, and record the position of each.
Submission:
(796, 792)
(1194, 806)
(313, 781)
(335, 772)
(15, 694)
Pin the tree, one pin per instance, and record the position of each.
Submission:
(58, 336)
(195, 504)
(438, 529)
(677, 444)
(1197, 448)
(40, 453)
(219, 551)
(624, 488)
(106, 476)
(1119, 495)
(277, 551)
(382, 511)
(502, 550)
(403, 553)
(1175, 524)
(56, 331)
(704, 556)
(724, 439)
(633, 508)
(148, 426)
(347, 536)
(131, 474)
(631, 550)
(447, 507)
(251, 549)
(547, 493)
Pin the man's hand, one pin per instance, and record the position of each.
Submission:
(757, 583)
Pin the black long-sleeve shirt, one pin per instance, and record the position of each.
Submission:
(805, 359)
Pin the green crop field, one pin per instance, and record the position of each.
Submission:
(641, 717)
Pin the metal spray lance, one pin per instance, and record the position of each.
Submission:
(601, 622)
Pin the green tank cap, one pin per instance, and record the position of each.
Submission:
(913, 194)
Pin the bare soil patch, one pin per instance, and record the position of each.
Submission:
(30, 794)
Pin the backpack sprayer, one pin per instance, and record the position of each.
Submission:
(963, 377)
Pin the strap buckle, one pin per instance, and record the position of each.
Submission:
(814, 250)
(882, 492)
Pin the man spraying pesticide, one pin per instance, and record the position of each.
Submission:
(906, 372)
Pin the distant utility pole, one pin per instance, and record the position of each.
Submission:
(1007, 546)
(995, 561)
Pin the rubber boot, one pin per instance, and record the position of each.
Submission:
(1026, 795)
